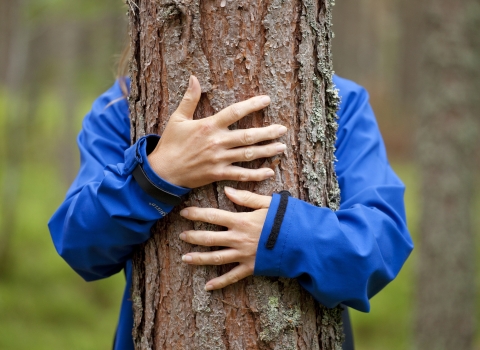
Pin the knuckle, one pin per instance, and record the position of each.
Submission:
(209, 240)
(234, 112)
(243, 176)
(206, 127)
(269, 150)
(218, 174)
(236, 240)
(216, 158)
(187, 98)
(256, 176)
(218, 259)
(192, 212)
(248, 138)
(247, 196)
(212, 216)
(233, 278)
(198, 214)
(272, 133)
(257, 203)
(213, 142)
(243, 223)
(249, 153)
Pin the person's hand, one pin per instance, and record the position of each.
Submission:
(241, 239)
(192, 153)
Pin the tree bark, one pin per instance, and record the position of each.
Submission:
(447, 141)
(237, 49)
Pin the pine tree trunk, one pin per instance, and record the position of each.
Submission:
(448, 138)
(237, 49)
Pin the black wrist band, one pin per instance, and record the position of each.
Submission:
(156, 192)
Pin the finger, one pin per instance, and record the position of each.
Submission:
(217, 257)
(236, 173)
(246, 154)
(247, 198)
(209, 238)
(237, 111)
(187, 106)
(210, 215)
(254, 135)
(233, 276)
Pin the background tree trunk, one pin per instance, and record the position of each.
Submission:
(237, 49)
(14, 77)
(447, 140)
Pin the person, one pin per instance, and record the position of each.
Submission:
(343, 257)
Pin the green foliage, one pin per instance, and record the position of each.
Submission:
(389, 323)
(70, 49)
(44, 304)
(46, 10)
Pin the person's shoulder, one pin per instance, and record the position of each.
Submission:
(109, 114)
(347, 88)
(115, 96)
(351, 94)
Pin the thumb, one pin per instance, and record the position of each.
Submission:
(248, 199)
(187, 106)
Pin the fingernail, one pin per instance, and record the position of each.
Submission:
(282, 130)
(265, 100)
(190, 82)
(208, 287)
(187, 258)
(230, 190)
(269, 172)
(184, 212)
(281, 148)
(183, 236)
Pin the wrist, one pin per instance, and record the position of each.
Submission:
(146, 175)
(157, 166)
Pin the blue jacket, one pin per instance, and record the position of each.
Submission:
(339, 257)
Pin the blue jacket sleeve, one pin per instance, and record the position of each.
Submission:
(349, 255)
(105, 212)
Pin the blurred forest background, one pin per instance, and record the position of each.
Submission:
(56, 57)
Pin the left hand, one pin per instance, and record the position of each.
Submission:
(241, 239)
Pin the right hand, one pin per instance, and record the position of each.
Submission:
(192, 153)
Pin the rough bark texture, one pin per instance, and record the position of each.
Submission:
(237, 49)
(448, 138)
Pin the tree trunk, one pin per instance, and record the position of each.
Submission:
(448, 139)
(237, 49)
(17, 49)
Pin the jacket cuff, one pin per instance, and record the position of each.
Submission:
(137, 154)
(268, 261)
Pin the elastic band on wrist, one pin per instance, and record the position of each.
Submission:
(153, 190)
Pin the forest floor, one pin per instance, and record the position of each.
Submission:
(44, 305)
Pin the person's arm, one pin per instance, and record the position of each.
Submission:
(339, 257)
(349, 255)
(106, 213)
